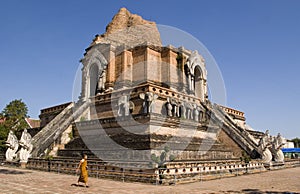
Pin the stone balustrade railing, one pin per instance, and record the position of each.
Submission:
(233, 111)
(148, 87)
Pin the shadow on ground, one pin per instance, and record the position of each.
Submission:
(257, 191)
(5, 171)
(75, 185)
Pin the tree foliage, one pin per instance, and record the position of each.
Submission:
(296, 142)
(245, 157)
(162, 159)
(15, 113)
(3, 136)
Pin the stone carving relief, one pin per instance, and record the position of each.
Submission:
(173, 107)
(185, 110)
(149, 101)
(13, 145)
(26, 146)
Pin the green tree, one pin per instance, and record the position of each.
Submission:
(15, 113)
(162, 159)
(3, 136)
(296, 142)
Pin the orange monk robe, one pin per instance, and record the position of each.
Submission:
(83, 172)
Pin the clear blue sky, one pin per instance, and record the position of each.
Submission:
(255, 43)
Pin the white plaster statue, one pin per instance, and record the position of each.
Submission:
(13, 145)
(189, 110)
(101, 82)
(169, 107)
(172, 107)
(26, 146)
(123, 104)
(183, 110)
(196, 112)
(277, 144)
(264, 145)
(176, 112)
(149, 99)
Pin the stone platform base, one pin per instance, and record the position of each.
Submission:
(173, 173)
(23, 164)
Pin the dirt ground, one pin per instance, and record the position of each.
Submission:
(15, 180)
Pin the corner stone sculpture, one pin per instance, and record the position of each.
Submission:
(264, 145)
(13, 145)
(26, 146)
(277, 144)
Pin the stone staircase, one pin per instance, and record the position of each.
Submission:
(47, 136)
(235, 131)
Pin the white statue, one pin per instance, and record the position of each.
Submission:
(12, 143)
(176, 112)
(101, 81)
(149, 101)
(264, 145)
(169, 107)
(172, 106)
(189, 110)
(182, 110)
(123, 104)
(26, 146)
(196, 112)
(277, 144)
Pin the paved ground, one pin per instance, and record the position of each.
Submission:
(13, 180)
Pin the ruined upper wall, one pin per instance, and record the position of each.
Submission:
(130, 52)
(130, 30)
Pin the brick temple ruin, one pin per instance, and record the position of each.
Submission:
(144, 106)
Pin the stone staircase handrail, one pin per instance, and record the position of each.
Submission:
(52, 130)
(238, 134)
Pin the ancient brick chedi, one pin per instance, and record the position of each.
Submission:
(146, 97)
(143, 103)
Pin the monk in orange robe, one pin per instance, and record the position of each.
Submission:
(83, 171)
